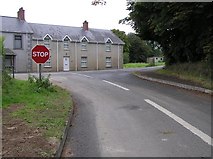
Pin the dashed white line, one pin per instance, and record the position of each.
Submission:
(126, 89)
(185, 124)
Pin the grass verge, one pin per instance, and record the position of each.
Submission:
(141, 65)
(197, 72)
(48, 110)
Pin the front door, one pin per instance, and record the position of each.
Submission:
(66, 63)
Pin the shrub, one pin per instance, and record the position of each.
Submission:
(6, 80)
(39, 85)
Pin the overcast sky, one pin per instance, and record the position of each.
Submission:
(70, 12)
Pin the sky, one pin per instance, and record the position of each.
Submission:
(70, 12)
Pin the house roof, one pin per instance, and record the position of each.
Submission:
(57, 32)
(9, 52)
(14, 25)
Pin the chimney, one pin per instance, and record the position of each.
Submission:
(21, 15)
(85, 26)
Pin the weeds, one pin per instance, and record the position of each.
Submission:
(199, 72)
(39, 85)
(6, 80)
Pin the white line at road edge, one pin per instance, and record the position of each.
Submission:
(126, 89)
(185, 124)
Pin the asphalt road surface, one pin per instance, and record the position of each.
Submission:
(120, 115)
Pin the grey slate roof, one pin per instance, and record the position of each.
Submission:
(12, 24)
(57, 32)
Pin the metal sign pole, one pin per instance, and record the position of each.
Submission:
(40, 72)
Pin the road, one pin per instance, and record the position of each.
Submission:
(120, 115)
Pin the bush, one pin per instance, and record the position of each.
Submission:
(126, 57)
(199, 72)
(6, 80)
(38, 84)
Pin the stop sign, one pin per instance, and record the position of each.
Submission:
(40, 54)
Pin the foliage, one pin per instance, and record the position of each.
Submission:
(5, 77)
(135, 65)
(135, 49)
(140, 65)
(199, 72)
(6, 80)
(139, 50)
(39, 85)
(2, 51)
(184, 30)
(125, 57)
(124, 38)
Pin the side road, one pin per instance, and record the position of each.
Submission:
(171, 80)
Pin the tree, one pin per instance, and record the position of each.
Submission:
(122, 35)
(139, 50)
(183, 30)
(2, 52)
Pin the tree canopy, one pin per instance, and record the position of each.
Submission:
(183, 30)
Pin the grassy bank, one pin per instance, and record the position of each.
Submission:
(141, 65)
(47, 109)
(196, 72)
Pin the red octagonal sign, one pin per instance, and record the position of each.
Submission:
(40, 54)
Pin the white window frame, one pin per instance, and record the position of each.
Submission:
(108, 44)
(83, 46)
(84, 62)
(108, 47)
(108, 62)
(84, 42)
(66, 40)
(47, 40)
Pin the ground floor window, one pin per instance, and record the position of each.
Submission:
(83, 62)
(108, 62)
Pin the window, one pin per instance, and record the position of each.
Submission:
(84, 42)
(47, 41)
(83, 46)
(83, 62)
(48, 63)
(66, 43)
(108, 45)
(18, 42)
(108, 62)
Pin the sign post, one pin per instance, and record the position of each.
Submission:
(40, 54)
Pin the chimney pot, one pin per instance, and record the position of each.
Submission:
(21, 15)
(85, 25)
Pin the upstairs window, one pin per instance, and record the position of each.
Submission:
(18, 42)
(84, 42)
(47, 40)
(66, 43)
(108, 45)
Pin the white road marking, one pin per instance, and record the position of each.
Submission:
(185, 124)
(126, 89)
(82, 75)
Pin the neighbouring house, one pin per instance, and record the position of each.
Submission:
(154, 60)
(71, 48)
